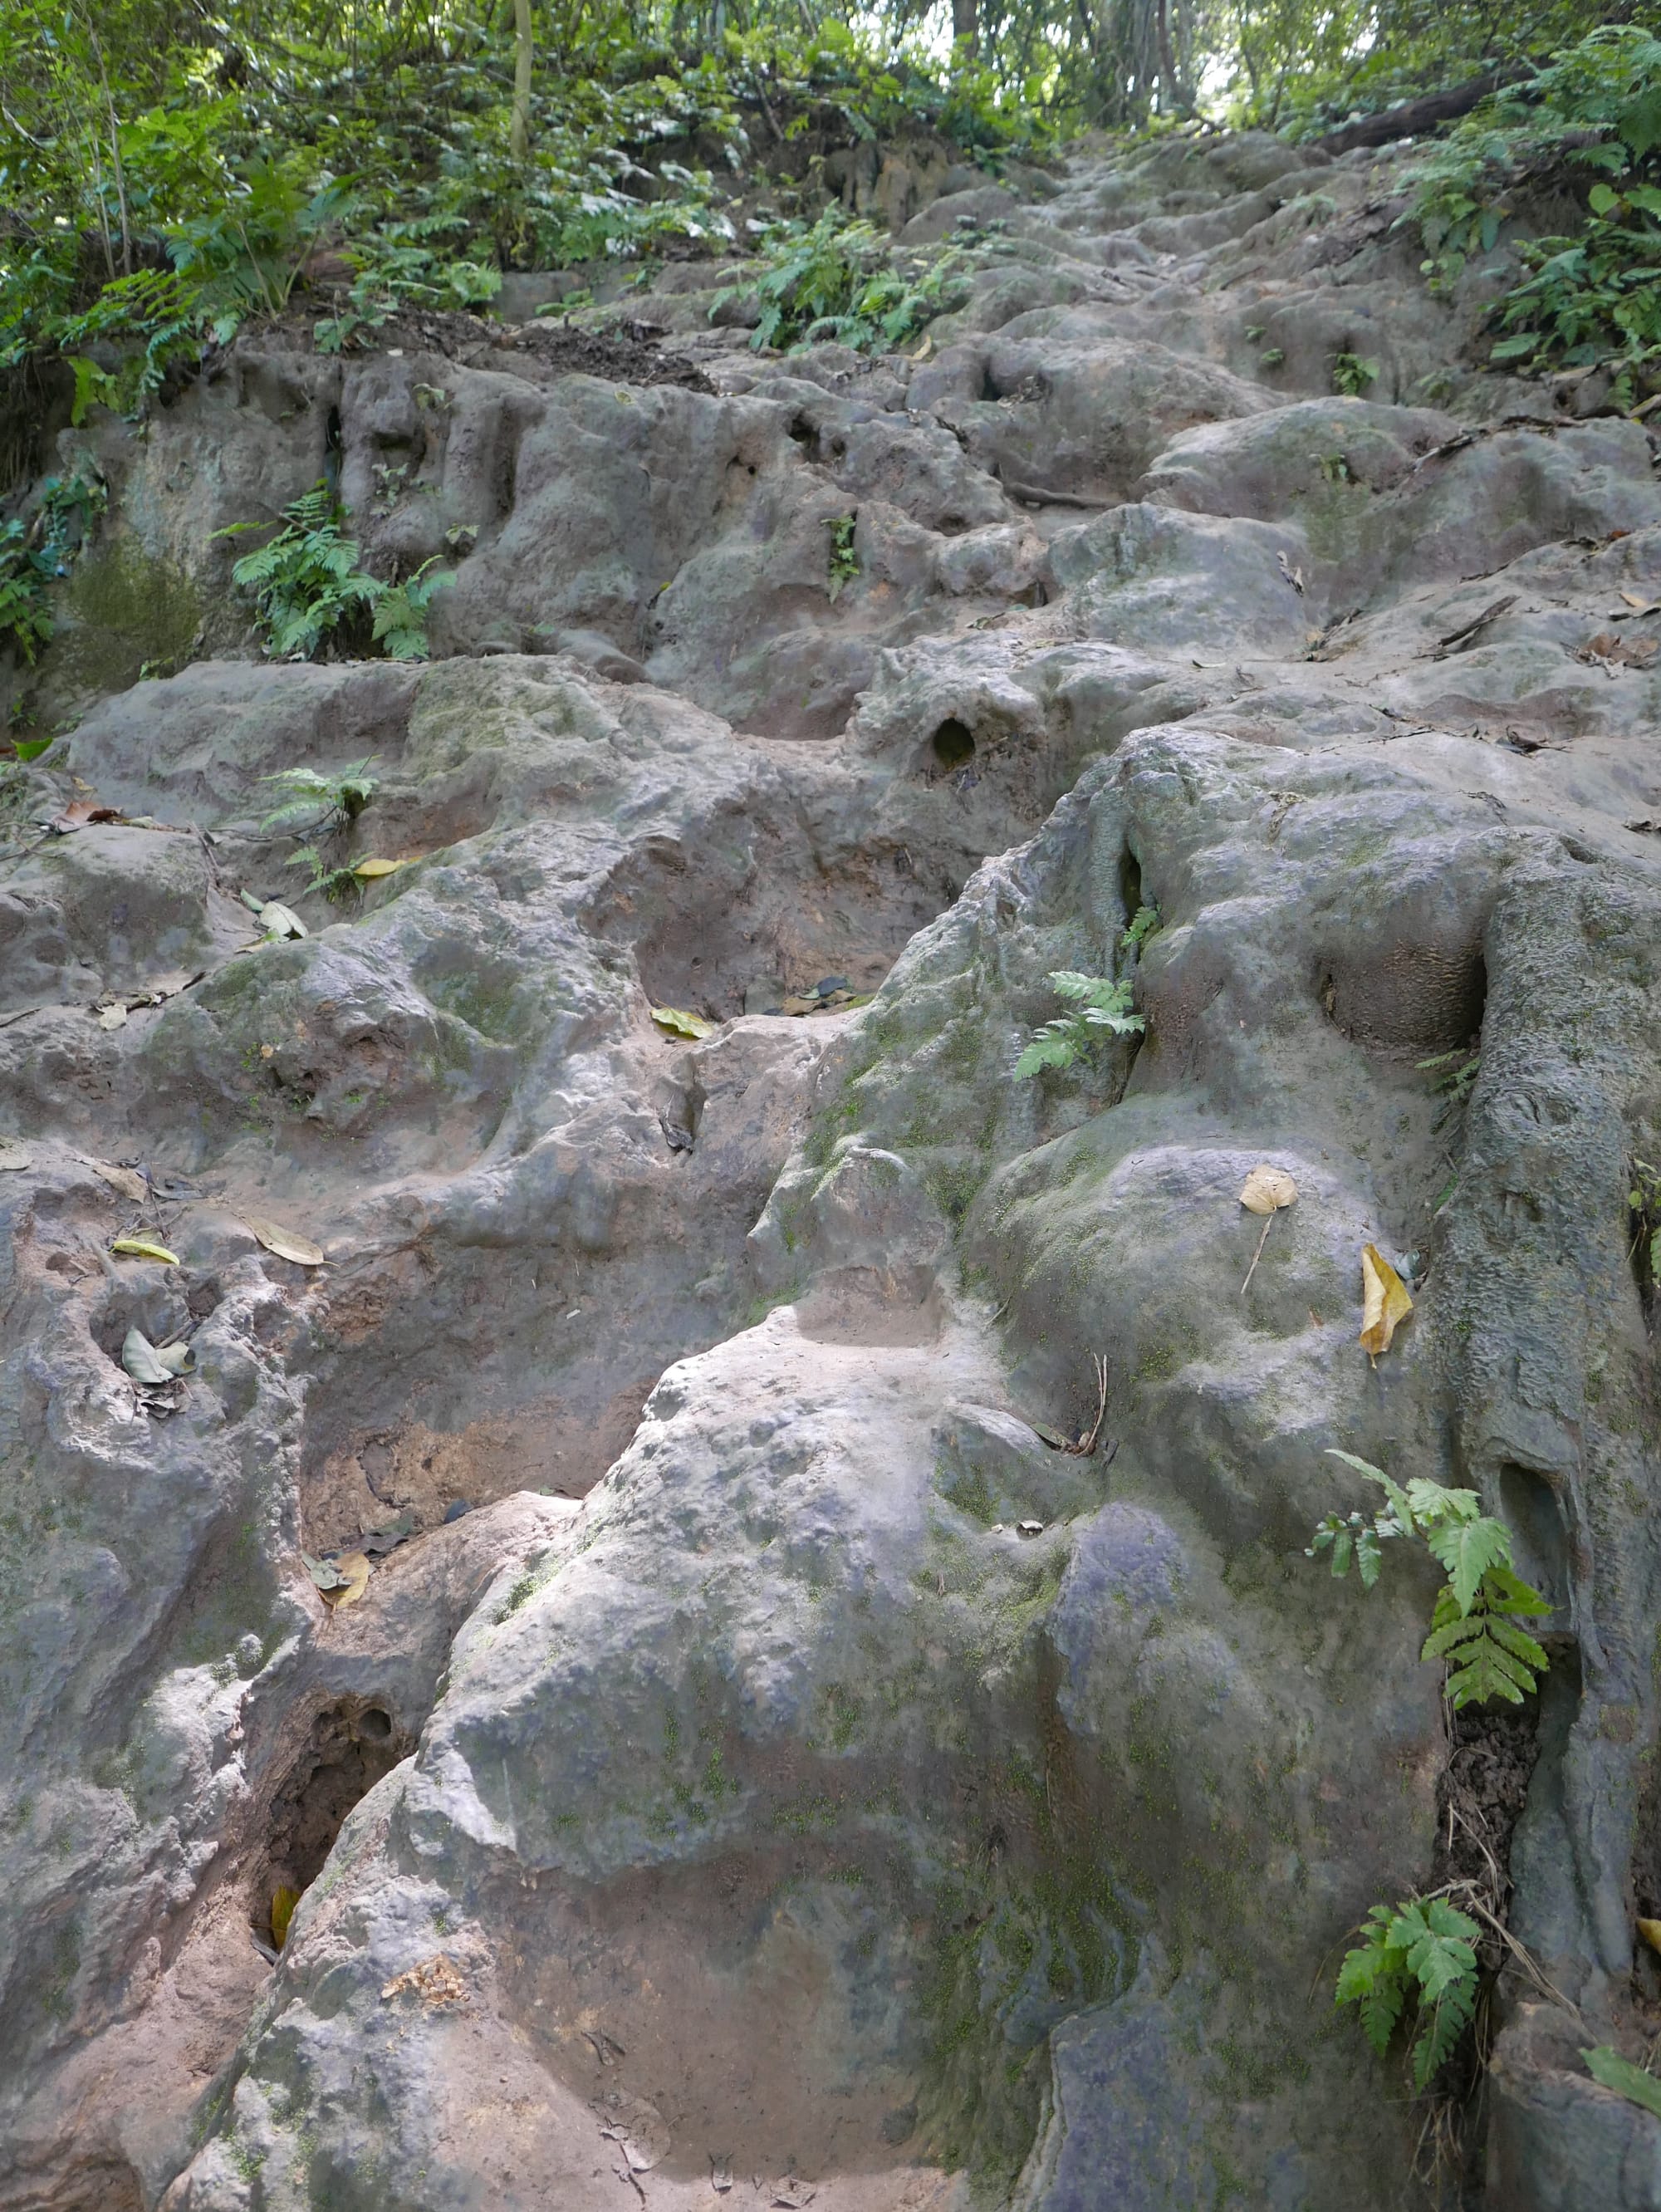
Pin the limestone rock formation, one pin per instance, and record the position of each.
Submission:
(796, 1776)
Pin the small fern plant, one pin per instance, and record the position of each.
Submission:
(401, 612)
(1474, 1629)
(306, 584)
(1101, 1009)
(1422, 1952)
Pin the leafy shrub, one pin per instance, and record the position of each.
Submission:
(309, 591)
(833, 281)
(24, 624)
(400, 623)
(1352, 376)
(844, 560)
(305, 583)
(1474, 1627)
(1421, 1953)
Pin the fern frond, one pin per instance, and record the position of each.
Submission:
(1467, 1549)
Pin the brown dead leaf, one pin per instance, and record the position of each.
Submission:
(1385, 1302)
(80, 811)
(1620, 652)
(287, 1243)
(436, 1981)
(127, 1181)
(1266, 1189)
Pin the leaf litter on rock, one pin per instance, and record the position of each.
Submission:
(1385, 1302)
(377, 1541)
(14, 1157)
(1266, 1190)
(677, 1022)
(141, 1247)
(128, 1180)
(287, 1243)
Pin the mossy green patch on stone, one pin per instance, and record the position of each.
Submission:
(127, 612)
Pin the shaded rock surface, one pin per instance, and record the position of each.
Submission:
(791, 1775)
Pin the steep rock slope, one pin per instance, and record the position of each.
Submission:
(794, 1777)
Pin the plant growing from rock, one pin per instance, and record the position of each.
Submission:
(322, 809)
(1421, 1953)
(1102, 1008)
(1473, 1629)
(833, 281)
(1352, 376)
(305, 582)
(844, 560)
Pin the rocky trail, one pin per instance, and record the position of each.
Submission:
(794, 1777)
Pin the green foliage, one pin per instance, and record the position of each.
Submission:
(1473, 1630)
(1103, 1013)
(833, 280)
(1644, 1203)
(311, 799)
(1589, 118)
(35, 554)
(1102, 1008)
(1352, 376)
(305, 582)
(844, 560)
(1605, 2064)
(400, 623)
(1421, 1953)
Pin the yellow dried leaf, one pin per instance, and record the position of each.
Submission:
(367, 871)
(1266, 1189)
(282, 1911)
(676, 1021)
(287, 1243)
(354, 1566)
(1385, 1302)
(1651, 1932)
(137, 1247)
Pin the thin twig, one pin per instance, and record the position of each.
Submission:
(1268, 1224)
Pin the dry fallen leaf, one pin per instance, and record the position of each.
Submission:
(282, 1911)
(368, 870)
(436, 1981)
(1651, 1932)
(13, 1155)
(353, 1570)
(113, 1018)
(1385, 1302)
(127, 1181)
(140, 1247)
(140, 1359)
(325, 1575)
(676, 1021)
(1266, 1189)
(287, 1243)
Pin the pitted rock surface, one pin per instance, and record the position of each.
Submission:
(790, 1765)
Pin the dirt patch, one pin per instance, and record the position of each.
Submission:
(1480, 1796)
(550, 1446)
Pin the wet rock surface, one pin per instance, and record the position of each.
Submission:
(762, 1765)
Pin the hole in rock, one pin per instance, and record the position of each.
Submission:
(349, 1746)
(1408, 997)
(334, 448)
(740, 923)
(1539, 1540)
(1130, 884)
(953, 743)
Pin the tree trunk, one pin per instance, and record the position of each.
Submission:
(1416, 115)
(519, 131)
(966, 30)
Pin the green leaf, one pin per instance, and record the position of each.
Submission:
(1602, 200)
(28, 749)
(1611, 2071)
(1392, 1489)
(1467, 1549)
